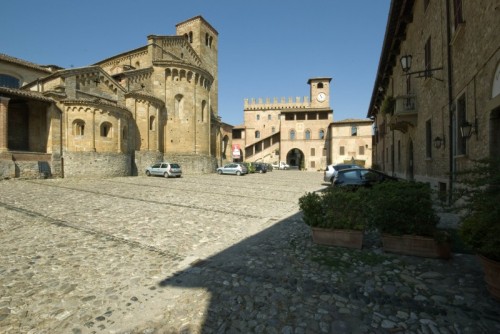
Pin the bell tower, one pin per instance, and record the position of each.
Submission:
(204, 40)
(320, 92)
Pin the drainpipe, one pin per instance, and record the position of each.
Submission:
(450, 103)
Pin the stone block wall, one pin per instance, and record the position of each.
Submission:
(96, 164)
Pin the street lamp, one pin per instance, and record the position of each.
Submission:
(438, 141)
(406, 62)
(467, 129)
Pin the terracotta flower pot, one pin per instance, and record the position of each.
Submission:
(342, 238)
(491, 275)
(416, 246)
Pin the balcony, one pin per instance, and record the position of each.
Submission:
(405, 113)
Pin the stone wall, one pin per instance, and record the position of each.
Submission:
(95, 164)
(193, 164)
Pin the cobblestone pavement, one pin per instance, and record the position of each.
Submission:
(211, 254)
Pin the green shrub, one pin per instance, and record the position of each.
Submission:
(334, 208)
(480, 228)
(400, 208)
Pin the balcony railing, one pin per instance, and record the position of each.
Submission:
(405, 105)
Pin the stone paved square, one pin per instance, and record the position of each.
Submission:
(211, 254)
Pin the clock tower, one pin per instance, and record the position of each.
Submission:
(320, 92)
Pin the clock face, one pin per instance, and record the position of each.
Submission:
(321, 97)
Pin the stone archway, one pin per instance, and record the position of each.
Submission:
(295, 158)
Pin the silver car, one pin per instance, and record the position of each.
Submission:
(331, 171)
(233, 168)
(165, 169)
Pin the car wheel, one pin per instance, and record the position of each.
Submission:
(238, 173)
(219, 172)
(148, 173)
(166, 174)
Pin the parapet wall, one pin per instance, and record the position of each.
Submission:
(260, 103)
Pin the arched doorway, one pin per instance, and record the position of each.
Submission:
(295, 158)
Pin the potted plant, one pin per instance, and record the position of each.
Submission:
(480, 227)
(335, 216)
(403, 213)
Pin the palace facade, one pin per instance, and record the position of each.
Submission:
(436, 98)
(301, 132)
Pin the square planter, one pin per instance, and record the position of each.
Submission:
(491, 275)
(342, 238)
(416, 246)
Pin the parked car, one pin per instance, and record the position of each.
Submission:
(165, 169)
(360, 177)
(281, 165)
(233, 168)
(260, 167)
(331, 171)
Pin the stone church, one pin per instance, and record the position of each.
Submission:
(117, 116)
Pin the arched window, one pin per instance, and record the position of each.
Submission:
(258, 116)
(292, 134)
(78, 127)
(257, 134)
(106, 130)
(152, 123)
(203, 111)
(190, 39)
(273, 129)
(269, 117)
(9, 81)
(321, 134)
(308, 135)
(124, 133)
(179, 105)
(320, 85)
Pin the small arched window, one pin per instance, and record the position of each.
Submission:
(78, 127)
(292, 134)
(273, 129)
(152, 123)
(320, 85)
(321, 134)
(124, 133)
(308, 134)
(106, 130)
(257, 134)
(258, 117)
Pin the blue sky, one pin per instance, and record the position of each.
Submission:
(267, 48)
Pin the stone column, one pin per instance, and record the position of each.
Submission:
(4, 123)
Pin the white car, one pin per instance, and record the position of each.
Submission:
(281, 165)
(233, 168)
(165, 169)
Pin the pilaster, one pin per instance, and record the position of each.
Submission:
(4, 123)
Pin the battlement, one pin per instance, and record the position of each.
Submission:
(261, 104)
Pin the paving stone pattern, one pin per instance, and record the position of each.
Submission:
(211, 254)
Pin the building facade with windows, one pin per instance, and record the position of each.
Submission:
(300, 131)
(436, 98)
(115, 117)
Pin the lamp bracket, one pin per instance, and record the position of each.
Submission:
(424, 73)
